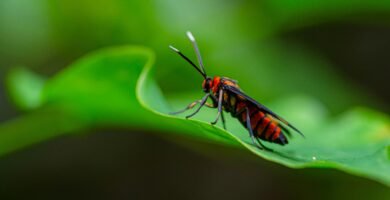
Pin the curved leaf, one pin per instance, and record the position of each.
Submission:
(95, 91)
(108, 89)
(356, 142)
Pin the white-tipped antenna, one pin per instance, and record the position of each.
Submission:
(173, 48)
(197, 52)
(188, 60)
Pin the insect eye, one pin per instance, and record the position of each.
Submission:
(207, 85)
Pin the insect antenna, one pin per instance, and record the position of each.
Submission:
(197, 52)
(188, 60)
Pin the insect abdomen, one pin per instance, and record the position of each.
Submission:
(262, 125)
(267, 129)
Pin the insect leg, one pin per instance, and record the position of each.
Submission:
(209, 105)
(219, 107)
(223, 121)
(262, 145)
(215, 103)
(190, 106)
(202, 103)
(214, 99)
(248, 125)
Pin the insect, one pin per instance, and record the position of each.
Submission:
(227, 96)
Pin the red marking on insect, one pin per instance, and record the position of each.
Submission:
(226, 95)
(240, 106)
(276, 134)
(255, 119)
(215, 85)
(263, 125)
(270, 130)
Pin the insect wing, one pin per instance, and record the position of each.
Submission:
(260, 106)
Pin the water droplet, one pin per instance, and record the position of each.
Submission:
(314, 158)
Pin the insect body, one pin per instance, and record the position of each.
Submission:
(226, 95)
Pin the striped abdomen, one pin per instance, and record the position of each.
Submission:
(263, 125)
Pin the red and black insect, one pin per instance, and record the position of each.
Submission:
(226, 95)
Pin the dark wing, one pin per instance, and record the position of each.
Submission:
(260, 106)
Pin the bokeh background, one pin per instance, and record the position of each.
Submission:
(339, 52)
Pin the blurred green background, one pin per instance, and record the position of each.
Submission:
(338, 51)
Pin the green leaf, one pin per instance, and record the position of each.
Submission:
(25, 88)
(356, 142)
(96, 91)
(100, 87)
(116, 87)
